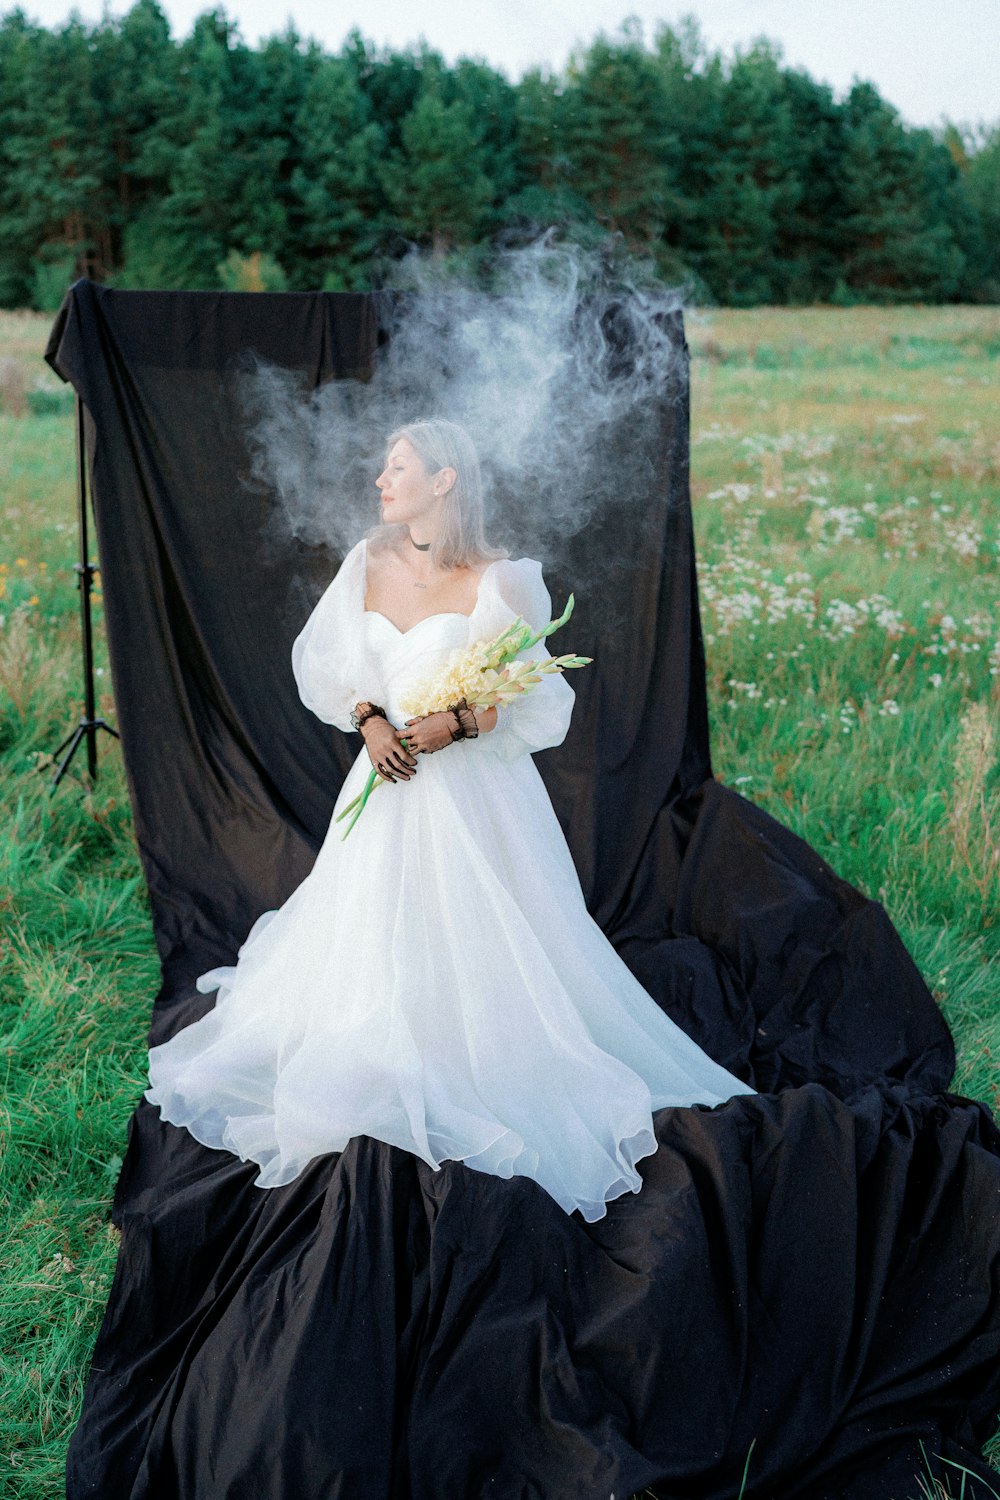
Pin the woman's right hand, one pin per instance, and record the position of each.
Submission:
(386, 753)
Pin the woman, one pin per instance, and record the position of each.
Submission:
(436, 981)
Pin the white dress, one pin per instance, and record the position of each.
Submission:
(436, 981)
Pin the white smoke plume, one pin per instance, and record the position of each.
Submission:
(564, 373)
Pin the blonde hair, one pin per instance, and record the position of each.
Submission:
(441, 444)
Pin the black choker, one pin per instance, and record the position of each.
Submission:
(420, 546)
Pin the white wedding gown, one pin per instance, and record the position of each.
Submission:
(436, 981)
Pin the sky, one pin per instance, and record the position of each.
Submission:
(930, 60)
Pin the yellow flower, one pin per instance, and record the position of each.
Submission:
(22, 562)
(33, 599)
(484, 673)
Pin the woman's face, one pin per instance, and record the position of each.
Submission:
(409, 491)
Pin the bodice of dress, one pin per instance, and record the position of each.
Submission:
(403, 658)
(346, 653)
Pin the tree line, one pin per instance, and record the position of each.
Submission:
(141, 161)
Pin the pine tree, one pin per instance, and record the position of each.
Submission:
(392, 81)
(809, 239)
(437, 184)
(898, 246)
(185, 234)
(751, 184)
(693, 81)
(543, 195)
(618, 138)
(19, 37)
(341, 210)
(230, 169)
(982, 186)
(135, 69)
(493, 104)
(55, 149)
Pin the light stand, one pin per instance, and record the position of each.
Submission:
(85, 570)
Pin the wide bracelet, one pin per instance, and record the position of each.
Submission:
(369, 711)
(468, 729)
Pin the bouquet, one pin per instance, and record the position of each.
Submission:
(486, 674)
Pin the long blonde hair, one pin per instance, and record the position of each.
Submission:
(462, 541)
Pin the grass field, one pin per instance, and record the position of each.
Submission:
(845, 470)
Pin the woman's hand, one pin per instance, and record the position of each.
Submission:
(387, 755)
(434, 731)
(430, 732)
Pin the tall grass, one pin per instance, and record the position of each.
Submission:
(845, 480)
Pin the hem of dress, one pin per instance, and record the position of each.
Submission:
(628, 1179)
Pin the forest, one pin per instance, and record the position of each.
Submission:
(142, 161)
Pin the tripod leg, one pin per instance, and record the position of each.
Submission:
(90, 730)
(73, 741)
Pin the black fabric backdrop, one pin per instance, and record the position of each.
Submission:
(805, 1289)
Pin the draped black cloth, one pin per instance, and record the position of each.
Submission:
(805, 1290)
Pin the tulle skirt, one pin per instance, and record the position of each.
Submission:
(437, 982)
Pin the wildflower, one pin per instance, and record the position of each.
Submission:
(844, 616)
(848, 717)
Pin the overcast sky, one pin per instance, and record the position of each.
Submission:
(927, 58)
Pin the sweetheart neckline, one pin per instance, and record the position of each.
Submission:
(438, 615)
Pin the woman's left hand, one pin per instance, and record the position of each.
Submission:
(428, 733)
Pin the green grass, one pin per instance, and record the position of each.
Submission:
(842, 460)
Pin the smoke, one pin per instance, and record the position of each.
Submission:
(564, 371)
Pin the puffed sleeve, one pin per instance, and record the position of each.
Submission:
(329, 661)
(539, 718)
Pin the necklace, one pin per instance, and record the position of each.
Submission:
(421, 547)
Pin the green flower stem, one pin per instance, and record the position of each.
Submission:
(373, 778)
(351, 805)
